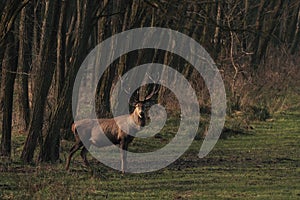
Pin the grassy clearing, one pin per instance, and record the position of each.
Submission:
(264, 165)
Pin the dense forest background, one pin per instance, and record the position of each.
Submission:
(255, 44)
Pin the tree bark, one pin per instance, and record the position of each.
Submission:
(258, 35)
(24, 58)
(296, 38)
(50, 148)
(45, 69)
(9, 13)
(8, 76)
(262, 48)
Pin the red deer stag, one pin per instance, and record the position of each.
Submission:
(89, 131)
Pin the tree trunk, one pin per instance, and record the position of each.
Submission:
(9, 13)
(104, 87)
(24, 65)
(265, 42)
(9, 75)
(245, 24)
(50, 149)
(217, 29)
(60, 51)
(258, 28)
(44, 64)
(296, 38)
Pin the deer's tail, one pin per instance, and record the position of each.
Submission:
(73, 128)
(75, 132)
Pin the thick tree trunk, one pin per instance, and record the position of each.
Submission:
(9, 11)
(45, 69)
(8, 76)
(104, 88)
(50, 149)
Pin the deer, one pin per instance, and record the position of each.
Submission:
(89, 131)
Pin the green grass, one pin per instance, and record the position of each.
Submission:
(264, 165)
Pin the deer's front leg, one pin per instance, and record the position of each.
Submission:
(123, 153)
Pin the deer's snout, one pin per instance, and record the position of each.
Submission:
(141, 113)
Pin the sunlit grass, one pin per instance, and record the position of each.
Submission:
(264, 165)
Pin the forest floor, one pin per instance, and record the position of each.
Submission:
(262, 165)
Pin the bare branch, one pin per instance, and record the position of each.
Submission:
(18, 73)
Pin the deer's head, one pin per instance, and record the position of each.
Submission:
(139, 106)
(137, 102)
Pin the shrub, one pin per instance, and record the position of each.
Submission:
(260, 113)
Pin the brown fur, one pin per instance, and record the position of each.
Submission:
(89, 131)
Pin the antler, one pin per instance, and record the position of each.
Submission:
(155, 88)
(154, 91)
(128, 90)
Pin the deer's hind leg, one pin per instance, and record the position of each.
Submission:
(74, 148)
(83, 154)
